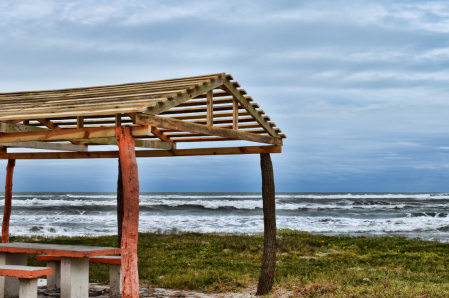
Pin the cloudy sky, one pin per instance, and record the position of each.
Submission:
(359, 87)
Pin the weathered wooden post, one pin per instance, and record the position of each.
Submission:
(119, 204)
(269, 212)
(130, 180)
(8, 200)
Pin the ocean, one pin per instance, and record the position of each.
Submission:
(423, 215)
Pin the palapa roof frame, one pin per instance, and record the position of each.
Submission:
(161, 113)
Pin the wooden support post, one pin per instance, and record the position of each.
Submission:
(118, 120)
(235, 115)
(26, 122)
(8, 199)
(128, 164)
(79, 122)
(119, 204)
(266, 277)
(210, 108)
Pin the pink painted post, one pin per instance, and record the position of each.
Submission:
(130, 180)
(8, 199)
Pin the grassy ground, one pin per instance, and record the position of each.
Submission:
(308, 265)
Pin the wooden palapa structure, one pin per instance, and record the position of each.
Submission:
(154, 115)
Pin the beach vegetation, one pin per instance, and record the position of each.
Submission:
(308, 265)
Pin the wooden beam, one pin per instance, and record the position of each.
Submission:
(79, 122)
(9, 128)
(138, 143)
(192, 103)
(235, 118)
(8, 200)
(118, 120)
(158, 133)
(228, 86)
(46, 146)
(130, 225)
(221, 93)
(185, 96)
(165, 122)
(210, 108)
(53, 125)
(69, 134)
(145, 153)
(48, 123)
(266, 277)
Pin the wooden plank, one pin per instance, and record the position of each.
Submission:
(118, 120)
(221, 94)
(158, 133)
(219, 120)
(192, 103)
(108, 88)
(9, 128)
(145, 153)
(75, 112)
(69, 134)
(8, 200)
(210, 108)
(183, 97)
(48, 123)
(79, 122)
(228, 86)
(46, 146)
(155, 144)
(130, 226)
(235, 118)
(216, 115)
(165, 122)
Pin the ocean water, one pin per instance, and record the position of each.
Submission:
(424, 215)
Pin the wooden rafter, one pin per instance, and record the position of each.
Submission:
(228, 86)
(203, 101)
(145, 153)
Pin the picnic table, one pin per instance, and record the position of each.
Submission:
(74, 265)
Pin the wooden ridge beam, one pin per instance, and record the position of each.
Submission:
(228, 86)
(145, 153)
(46, 146)
(70, 134)
(165, 122)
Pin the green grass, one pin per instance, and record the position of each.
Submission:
(308, 265)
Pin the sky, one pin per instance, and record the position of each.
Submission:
(359, 87)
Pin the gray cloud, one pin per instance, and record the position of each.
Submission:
(358, 87)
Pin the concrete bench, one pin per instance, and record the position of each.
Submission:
(115, 281)
(27, 277)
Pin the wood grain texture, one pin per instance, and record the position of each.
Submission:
(165, 122)
(145, 153)
(8, 200)
(130, 223)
